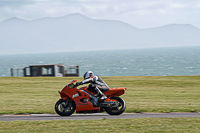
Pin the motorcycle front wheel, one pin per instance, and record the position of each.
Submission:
(65, 107)
(118, 108)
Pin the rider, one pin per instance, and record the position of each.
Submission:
(97, 84)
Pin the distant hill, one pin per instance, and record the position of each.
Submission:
(78, 32)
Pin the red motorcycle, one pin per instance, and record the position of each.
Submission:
(84, 101)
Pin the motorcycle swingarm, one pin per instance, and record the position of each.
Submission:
(110, 104)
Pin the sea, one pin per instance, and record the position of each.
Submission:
(168, 61)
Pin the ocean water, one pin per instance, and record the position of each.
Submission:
(129, 62)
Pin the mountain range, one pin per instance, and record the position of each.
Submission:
(76, 32)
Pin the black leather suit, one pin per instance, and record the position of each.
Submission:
(96, 82)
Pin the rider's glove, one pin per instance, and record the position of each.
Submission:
(78, 83)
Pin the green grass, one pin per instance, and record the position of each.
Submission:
(21, 95)
(141, 125)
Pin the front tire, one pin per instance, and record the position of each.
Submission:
(118, 109)
(65, 107)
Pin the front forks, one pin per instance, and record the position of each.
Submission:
(66, 105)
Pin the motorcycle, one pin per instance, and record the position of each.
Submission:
(84, 101)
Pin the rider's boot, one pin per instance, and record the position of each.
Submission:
(101, 95)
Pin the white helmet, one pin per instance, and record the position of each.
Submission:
(88, 74)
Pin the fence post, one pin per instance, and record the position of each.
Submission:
(11, 72)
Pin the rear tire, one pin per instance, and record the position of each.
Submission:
(116, 110)
(65, 109)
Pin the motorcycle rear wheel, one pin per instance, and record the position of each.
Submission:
(116, 110)
(64, 108)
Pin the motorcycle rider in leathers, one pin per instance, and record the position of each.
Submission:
(96, 85)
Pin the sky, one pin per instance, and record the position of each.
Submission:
(139, 13)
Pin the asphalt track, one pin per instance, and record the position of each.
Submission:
(36, 117)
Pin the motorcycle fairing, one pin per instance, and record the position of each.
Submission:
(77, 95)
(117, 91)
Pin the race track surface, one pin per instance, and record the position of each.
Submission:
(35, 117)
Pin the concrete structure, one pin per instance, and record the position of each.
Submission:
(55, 70)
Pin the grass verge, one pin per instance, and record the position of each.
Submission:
(21, 95)
(141, 125)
